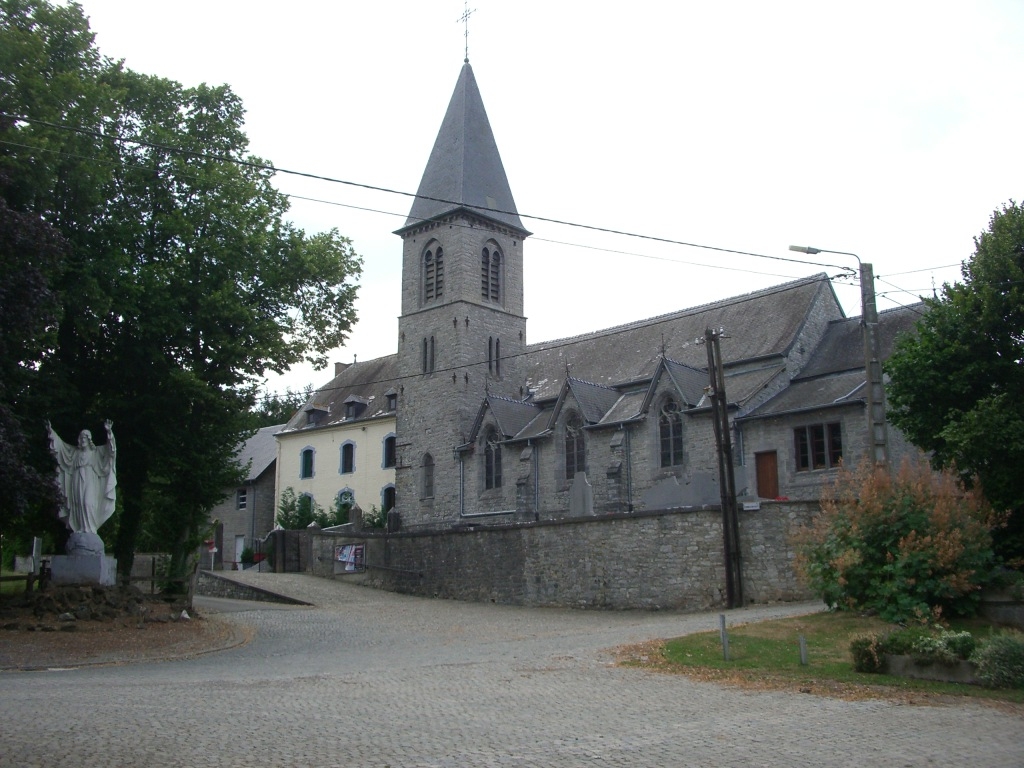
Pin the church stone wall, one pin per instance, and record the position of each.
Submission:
(652, 560)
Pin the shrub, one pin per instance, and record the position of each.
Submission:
(1000, 661)
(911, 546)
(248, 556)
(375, 518)
(867, 654)
(923, 644)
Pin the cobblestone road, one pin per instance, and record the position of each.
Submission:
(376, 679)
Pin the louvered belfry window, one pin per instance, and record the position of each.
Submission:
(490, 275)
(433, 274)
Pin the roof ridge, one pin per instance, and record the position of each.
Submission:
(682, 312)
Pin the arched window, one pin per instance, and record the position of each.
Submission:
(427, 475)
(348, 458)
(387, 498)
(390, 454)
(490, 274)
(433, 274)
(670, 433)
(492, 460)
(575, 450)
(306, 463)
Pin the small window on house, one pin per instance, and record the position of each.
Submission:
(392, 401)
(306, 463)
(390, 458)
(427, 474)
(670, 433)
(242, 498)
(818, 446)
(575, 450)
(348, 458)
(387, 498)
(492, 461)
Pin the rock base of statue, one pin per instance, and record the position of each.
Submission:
(85, 570)
(84, 543)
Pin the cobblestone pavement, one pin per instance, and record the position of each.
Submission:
(376, 679)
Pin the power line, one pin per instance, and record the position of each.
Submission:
(485, 211)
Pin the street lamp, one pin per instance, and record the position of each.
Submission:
(877, 436)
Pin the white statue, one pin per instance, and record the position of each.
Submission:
(87, 478)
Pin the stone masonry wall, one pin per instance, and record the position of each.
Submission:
(649, 560)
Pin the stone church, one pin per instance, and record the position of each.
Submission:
(473, 425)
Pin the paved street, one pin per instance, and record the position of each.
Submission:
(375, 679)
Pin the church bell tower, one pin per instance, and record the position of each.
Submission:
(462, 329)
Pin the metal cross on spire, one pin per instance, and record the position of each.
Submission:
(464, 18)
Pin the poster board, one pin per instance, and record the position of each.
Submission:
(350, 558)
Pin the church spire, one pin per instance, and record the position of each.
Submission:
(465, 169)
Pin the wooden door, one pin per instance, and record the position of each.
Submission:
(767, 464)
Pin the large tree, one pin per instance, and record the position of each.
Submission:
(957, 386)
(184, 283)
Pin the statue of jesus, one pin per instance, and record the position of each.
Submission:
(87, 478)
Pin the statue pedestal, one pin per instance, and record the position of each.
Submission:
(91, 570)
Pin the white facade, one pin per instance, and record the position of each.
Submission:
(346, 457)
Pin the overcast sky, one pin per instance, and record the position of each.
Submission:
(887, 129)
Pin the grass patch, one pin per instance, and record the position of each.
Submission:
(767, 654)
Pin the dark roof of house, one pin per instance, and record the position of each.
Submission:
(261, 450)
(367, 382)
(465, 168)
(842, 348)
(835, 373)
(760, 324)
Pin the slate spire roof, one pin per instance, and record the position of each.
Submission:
(465, 167)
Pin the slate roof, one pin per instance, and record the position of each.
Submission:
(835, 373)
(842, 348)
(465, 166)
(368, 382)
(261, 450)
(760, 324)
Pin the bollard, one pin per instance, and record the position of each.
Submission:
(803, 651)
(725, 636)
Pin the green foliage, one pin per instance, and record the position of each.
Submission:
(867, 655)
(248, 557)
(911, 546)
(275, 409)
(925, 645)
(297, 512)
(182, 283)
(956, 384)
(375, 518)
(1000, 661)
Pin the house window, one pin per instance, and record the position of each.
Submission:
(242, 498)
(428, 354)
(433, 274)
(492, 461)
(490, 275)
(670, 433)
(575, 450)
(306, 463)
(392, 401)
(427, 469)
(387, 498)
(348, 458)
(818, 446)
(389, 451)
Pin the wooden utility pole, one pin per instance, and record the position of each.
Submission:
(726, 477)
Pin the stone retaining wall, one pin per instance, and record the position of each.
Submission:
(669, 559)
(212, 585)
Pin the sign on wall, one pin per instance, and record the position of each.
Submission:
(352, 557)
